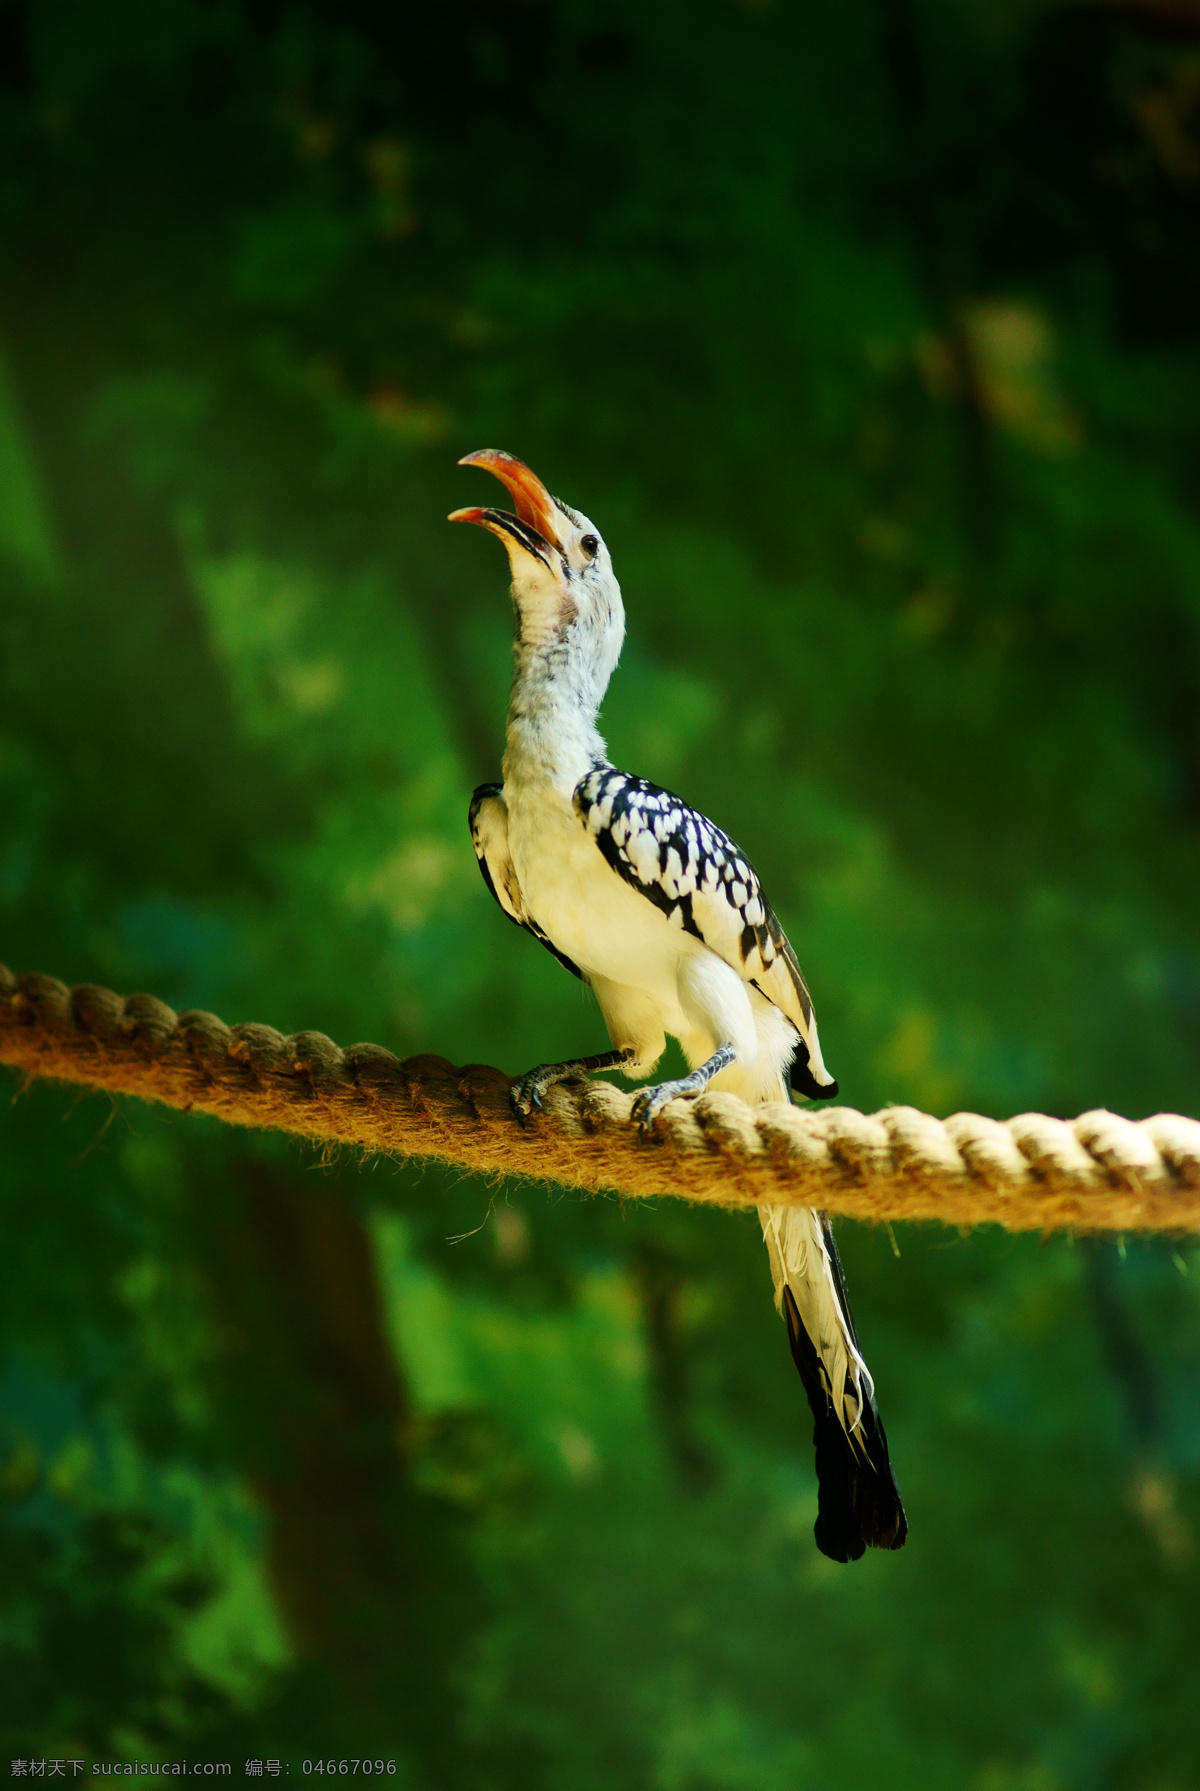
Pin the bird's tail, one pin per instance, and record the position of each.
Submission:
(858, 1502)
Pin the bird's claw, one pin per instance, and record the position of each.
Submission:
(648, 1103)
(525, 1095)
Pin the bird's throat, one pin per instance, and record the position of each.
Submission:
(552, 734)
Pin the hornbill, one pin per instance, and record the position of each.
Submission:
(663, 916)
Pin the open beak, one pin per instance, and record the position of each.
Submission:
(535, 526)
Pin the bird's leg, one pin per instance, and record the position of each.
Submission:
(527, 1090)
(648, 1102)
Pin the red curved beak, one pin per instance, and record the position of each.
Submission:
(531, 501)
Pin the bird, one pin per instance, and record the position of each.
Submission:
(657, 910)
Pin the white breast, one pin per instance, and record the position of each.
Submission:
(580, 902)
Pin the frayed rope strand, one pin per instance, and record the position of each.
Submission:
(1033, 1173)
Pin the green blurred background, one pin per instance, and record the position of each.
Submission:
(869, 335)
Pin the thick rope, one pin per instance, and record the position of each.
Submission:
(1032, 1173)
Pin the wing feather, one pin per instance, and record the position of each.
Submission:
(702, 881)
(488, 819)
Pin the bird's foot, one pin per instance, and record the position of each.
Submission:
(527, 1091)
(648, 1103)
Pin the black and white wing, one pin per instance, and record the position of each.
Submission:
(488, 817)
(703, 882)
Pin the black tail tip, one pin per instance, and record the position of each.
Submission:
(858, 1502)
(865, 1514)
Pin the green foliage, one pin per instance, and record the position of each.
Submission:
(867, 335)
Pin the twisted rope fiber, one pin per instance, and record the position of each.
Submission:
(1033, 1173)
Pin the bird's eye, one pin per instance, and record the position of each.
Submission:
(590, 545)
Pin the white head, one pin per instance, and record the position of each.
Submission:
(570, 621)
